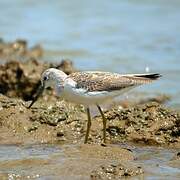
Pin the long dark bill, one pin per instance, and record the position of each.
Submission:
(39, 92)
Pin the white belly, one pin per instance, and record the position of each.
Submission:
(81, 96)
(86, 98)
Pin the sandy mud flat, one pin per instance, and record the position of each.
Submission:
(46, 141)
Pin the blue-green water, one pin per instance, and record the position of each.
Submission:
(120, 36)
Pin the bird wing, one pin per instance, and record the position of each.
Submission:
(105, 81)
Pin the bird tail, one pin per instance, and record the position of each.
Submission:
(139, 79)
(149, 76)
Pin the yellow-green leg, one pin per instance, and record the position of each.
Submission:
(104, 123)
(88, 125)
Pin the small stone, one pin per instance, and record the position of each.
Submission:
(33, 128)
(60, 134)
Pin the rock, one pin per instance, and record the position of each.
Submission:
(115, 171)
(22, 79)
(66, 65)
(176, 156)
(19, 50)
(149, 123)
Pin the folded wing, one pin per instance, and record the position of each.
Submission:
(105, 81)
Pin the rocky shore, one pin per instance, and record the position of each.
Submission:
(51, 120)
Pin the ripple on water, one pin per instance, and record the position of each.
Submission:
(41, 161)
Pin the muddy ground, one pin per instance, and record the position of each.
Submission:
(51, 120)
(56, 122)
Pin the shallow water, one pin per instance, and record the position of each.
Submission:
(121, 36)
(49, 161)
(156, 163)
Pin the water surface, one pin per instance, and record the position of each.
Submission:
(121, 36)
(49, 161)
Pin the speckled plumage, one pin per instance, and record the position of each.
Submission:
(91, 88)
(106, 81)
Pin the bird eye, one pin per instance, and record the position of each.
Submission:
(45, 78)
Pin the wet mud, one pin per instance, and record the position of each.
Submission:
(115, 171)
(55, 161)
(53, 121)
(150, 124)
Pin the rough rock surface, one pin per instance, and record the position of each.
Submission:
(50, 120)
(22, 79)
(150, 123)
(115, 171)
(19, 50)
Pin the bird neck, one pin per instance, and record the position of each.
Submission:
(59, 84)
(60, 77)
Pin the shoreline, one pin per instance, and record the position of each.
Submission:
(52, 121)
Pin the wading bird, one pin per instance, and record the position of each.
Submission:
(91, 88)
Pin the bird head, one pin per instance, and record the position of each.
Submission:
(49, 78)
